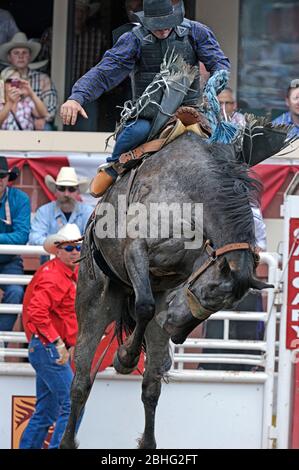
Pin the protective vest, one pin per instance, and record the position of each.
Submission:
(153, 51)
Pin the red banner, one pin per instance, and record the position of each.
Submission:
(292, 337)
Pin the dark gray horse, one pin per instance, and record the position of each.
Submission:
(187, 171)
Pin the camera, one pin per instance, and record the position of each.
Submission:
(15, 82)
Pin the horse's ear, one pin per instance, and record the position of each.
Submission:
(224, 267)
(259, 285)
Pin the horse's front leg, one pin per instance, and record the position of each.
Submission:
(137, 265)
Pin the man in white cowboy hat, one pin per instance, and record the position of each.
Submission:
(140, 53)
(66, 209)
(14, 230)
(21, 53)
(50, 325)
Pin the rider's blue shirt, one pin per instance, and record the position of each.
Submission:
(119, 61)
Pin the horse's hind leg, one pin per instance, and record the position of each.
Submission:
(137, 265)
(96, 308)
(158, 362)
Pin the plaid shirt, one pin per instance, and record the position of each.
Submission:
(44, 88)
(24, 115)
(119, 61)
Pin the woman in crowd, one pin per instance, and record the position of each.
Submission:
(21, 104)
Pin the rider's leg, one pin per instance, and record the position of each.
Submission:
(129, 138)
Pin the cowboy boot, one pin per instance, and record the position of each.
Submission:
(100, 183)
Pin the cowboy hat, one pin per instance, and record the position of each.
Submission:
(67, 176)
(12, 174)
(19, 40)
(160, 14)
(69, 232)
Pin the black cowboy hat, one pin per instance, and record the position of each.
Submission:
(160, 14)
(12, 174)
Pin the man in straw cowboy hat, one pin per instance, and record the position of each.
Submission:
(50, 217)
(140, 52)
(50, 325)
(21, 53)
(14, 230)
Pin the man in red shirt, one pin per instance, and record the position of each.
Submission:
(50, 324)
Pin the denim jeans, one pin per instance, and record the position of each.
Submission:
(13, 294)
(53, 404)
(134, 134)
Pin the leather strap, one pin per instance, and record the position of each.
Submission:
(147, 147)
(213, 256)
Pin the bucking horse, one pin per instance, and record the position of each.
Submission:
(160, 288)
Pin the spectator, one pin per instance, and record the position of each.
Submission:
(14, 230)
(21, 105)
(50, 217)
(89, 40)
(20, 53)
(291, 117)
(228, 103)
(8, 26)
(50, 324)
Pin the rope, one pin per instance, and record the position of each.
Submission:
(172, 70)
(222, 131)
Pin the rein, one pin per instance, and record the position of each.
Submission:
(197, 309)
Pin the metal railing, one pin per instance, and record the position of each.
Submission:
(181, 356)
(263, 352)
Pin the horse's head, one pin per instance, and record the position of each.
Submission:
(222, 286)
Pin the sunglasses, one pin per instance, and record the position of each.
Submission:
(3, 175)
(70, 189)
(71, 248)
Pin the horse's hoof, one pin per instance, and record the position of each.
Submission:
(68, 444)
(121, 368)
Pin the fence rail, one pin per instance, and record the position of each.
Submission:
(183, 355)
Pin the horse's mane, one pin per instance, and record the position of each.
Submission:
(233, 188)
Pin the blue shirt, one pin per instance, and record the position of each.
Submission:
(49, 218)
(119, 62)
(14, 219)
(286, 119)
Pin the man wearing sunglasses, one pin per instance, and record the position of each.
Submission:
(67, 208)
(50, 324)
(291, 117)
(14, 230)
